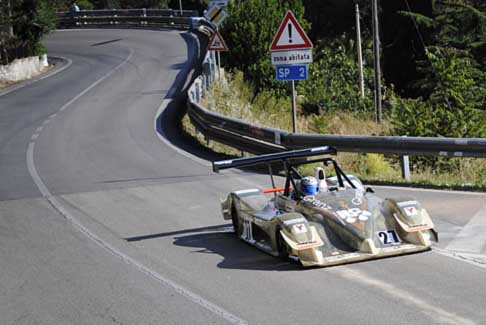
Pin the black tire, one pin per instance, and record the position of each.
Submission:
(283, 248)
(235, 221)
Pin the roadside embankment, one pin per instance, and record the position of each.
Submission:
(22, 69)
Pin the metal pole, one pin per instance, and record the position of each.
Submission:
(294, 109)
(405, 164)
(360, 52)
(180, 6)
(219, 66)
(213, 66)
(376, 52)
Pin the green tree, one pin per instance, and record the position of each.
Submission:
(249, 31)
(455, 107)
(333, 79)
(32, 19)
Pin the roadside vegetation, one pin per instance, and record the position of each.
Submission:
(434, 77)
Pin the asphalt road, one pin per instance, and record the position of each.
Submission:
(103, 222)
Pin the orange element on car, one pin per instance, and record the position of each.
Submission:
(277, 189)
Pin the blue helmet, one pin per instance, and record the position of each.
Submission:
(309, 185)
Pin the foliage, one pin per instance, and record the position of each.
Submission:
(249, 31)
(31, 21)
(334, 79)
(85, 5)
(455, 107)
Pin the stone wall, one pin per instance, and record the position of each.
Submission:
(21, 69)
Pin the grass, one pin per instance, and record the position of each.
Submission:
(234, 97)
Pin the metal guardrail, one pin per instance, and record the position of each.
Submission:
(259, 139)
(128, 18)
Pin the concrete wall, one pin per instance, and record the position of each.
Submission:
(22, 69)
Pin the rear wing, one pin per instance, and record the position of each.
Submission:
(273, 157)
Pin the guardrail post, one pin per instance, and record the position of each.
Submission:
(198, 91)
(405, 165)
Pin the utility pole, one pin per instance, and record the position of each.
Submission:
(180, 6)
(376, 52)
(360, 52)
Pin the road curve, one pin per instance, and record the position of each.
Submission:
(101, 222)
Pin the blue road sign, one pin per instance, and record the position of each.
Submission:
(291, 72)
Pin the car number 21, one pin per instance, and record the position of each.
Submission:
(389, 237)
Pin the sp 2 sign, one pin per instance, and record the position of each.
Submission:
(291, 72)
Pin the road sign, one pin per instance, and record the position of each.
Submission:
(290, 35)
(291, 72)
(292, 57)
(219, 3)
(215, 15)
(216, 43)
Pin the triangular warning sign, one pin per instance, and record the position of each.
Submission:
(216, 43)
(290, 35)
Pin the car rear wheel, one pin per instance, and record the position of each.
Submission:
(234, 220)
(283, 248)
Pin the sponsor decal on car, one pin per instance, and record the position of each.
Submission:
(410, 211)
(297, 220)
(407, 203)
(307, 245)
(300, 228)
(352, 215)
(317, 203)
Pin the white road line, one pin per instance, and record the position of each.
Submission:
(34, 136)
(97, 82)
(46, 122)
(161, 135)
(469, 245)
(437, 314)
(57, 205)
(479, 261)
(39, 129)
(472, 237)
(414, 189)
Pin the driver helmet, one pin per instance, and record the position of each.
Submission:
(309, 185)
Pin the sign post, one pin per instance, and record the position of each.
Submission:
(291, 52)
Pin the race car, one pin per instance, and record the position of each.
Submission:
(323, 221)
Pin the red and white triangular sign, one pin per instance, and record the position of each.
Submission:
(216, 43)
(290, 35)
